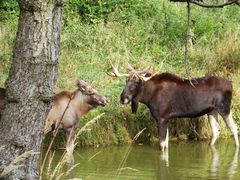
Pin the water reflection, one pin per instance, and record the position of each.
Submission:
(234, 164)
(165, 157)
(216, 163)
(162, 168)
(183, 160)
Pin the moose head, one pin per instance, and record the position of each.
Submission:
(134, 82)
(93, 98)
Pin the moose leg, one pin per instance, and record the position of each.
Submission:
(167, 138)
(212, 117)
(70, 146)
(69, 136)
(163, 134)
(231, 124)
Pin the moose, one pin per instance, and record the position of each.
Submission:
(68, 107)
(169, 96)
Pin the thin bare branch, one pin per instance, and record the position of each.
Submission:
(206, 5)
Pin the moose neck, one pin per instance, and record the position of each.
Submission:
(140, 95)
(80, 102)
(79, 98)
(145, 94)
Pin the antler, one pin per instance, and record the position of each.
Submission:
(143, 74)
(145, 71)
(139, 72)
(146, 78)
(130, 68)
(83, 86)
(115, 72)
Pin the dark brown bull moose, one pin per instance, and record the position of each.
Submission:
(168, 96)
(84, 99)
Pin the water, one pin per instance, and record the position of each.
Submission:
(183, 160)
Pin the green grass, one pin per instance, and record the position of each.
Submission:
(142, 33)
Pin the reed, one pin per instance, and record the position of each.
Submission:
(67, 158)
(122, 163)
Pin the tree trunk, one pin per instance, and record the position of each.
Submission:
(30, 85)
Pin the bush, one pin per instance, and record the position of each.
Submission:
(91, 11)
(9, 9)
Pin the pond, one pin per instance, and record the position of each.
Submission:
(183, 160)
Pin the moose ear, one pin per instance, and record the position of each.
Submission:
(134, 105)
(82, 85)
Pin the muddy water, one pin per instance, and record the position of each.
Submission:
(183, 160)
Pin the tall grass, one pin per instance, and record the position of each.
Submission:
(142, 33)
(67, 157)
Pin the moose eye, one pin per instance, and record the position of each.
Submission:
(132, 88)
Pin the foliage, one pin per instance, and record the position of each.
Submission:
(93, 11)
(143, 33)
(9, 9)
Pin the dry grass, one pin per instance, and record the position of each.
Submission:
(123, 162)
(59, 171)
(67, 157)
(227, 52)
(223, 58)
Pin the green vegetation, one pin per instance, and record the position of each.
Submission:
(143, 33)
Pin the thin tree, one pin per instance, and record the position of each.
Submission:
(30, 86)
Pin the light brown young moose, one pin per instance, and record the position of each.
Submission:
(169, 96)
(84, 99)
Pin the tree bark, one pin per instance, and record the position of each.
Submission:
(30, 85)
